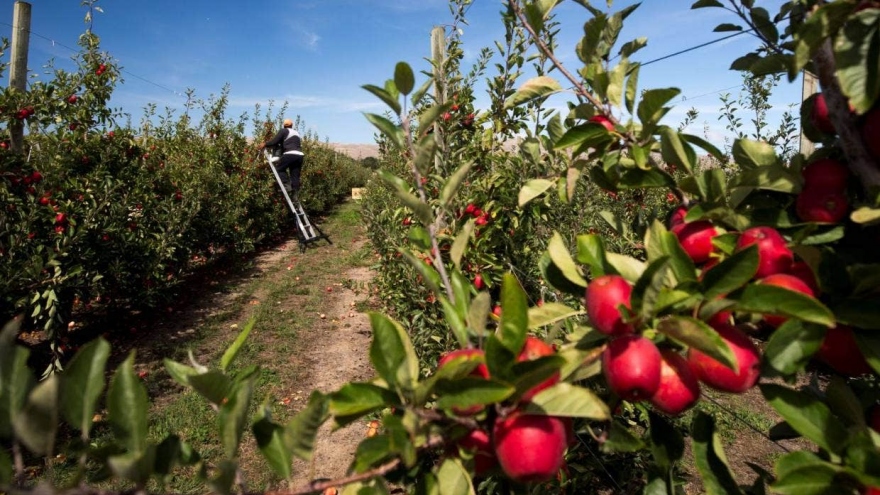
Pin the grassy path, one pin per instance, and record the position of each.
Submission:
(310, 332)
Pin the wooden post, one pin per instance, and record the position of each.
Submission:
(438, 57)
(810, 87)
(21, 32)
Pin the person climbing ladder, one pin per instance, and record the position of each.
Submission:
(292, 158)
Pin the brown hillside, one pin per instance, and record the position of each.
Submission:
(357, 151)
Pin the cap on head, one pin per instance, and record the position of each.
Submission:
(288, 123)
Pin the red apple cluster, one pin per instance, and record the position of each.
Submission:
(823, 198)
(482, 217)
(527, 447)
(634, 368)
(24, 113)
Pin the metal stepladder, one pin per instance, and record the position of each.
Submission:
(307, 232)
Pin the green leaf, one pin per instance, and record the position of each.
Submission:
(676, 150)
(302, 430)
(563, 260)
(422, 210)
(127, 406)
(621, 439)
(582, 136)
(660, 243)
(404, 78)
(628, 267)
(532, 189)
(514, 314)
(429, 116)
(726, 27)
(710, 459)
(651, 108)
(452, 185)
(750, 154)
(37, 422)
(6, 471)
(233, 416)
(804, 473)
(270, 441)
(459, 245)
(667, 443)
(537, 87)
(700, 4)
(550, 313)
(355, 399)
(697, 334)
(591, 251)
(467, 392)
(792, 345)
(648, 287)
(16, 379)
(388, 128)
(392, 353)
(768, 178)
(773, 300)
(213, 385)
(83, 383)
(808, 416)
(135, 466)
(453, 478)
(232, 351)
(567, 400)
(385, 96)
(856, 55)
(731, 274)
(179, 371)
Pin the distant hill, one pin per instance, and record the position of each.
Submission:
(357, 151)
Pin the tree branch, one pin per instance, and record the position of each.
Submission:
(858, 158)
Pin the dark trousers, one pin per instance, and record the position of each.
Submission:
(290, 168)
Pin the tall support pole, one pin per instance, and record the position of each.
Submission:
(810, 87)
(21, 32)
(438, 58)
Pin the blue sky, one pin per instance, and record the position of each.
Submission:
(316, 54)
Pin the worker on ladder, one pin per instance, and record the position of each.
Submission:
(290, 166)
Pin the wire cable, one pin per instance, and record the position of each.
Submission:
(54, 42)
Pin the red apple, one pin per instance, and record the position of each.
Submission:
(696, 239)
(71, 99)
(60, 218)
(819, 116)
(478, 282)
(677, 216)
(603, 120)
(530, 448)
(821, 206)
(679, 388)
(481, 370)
(874, 418)
(535, 348)
(773, 253)
(789, 282)
(871, 132)
(827, 174)
(631, 365)
(803, 271)
(719, 376)
(841, 352)
(603, 296)
(478, 442)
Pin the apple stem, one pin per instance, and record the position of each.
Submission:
(852, 143)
